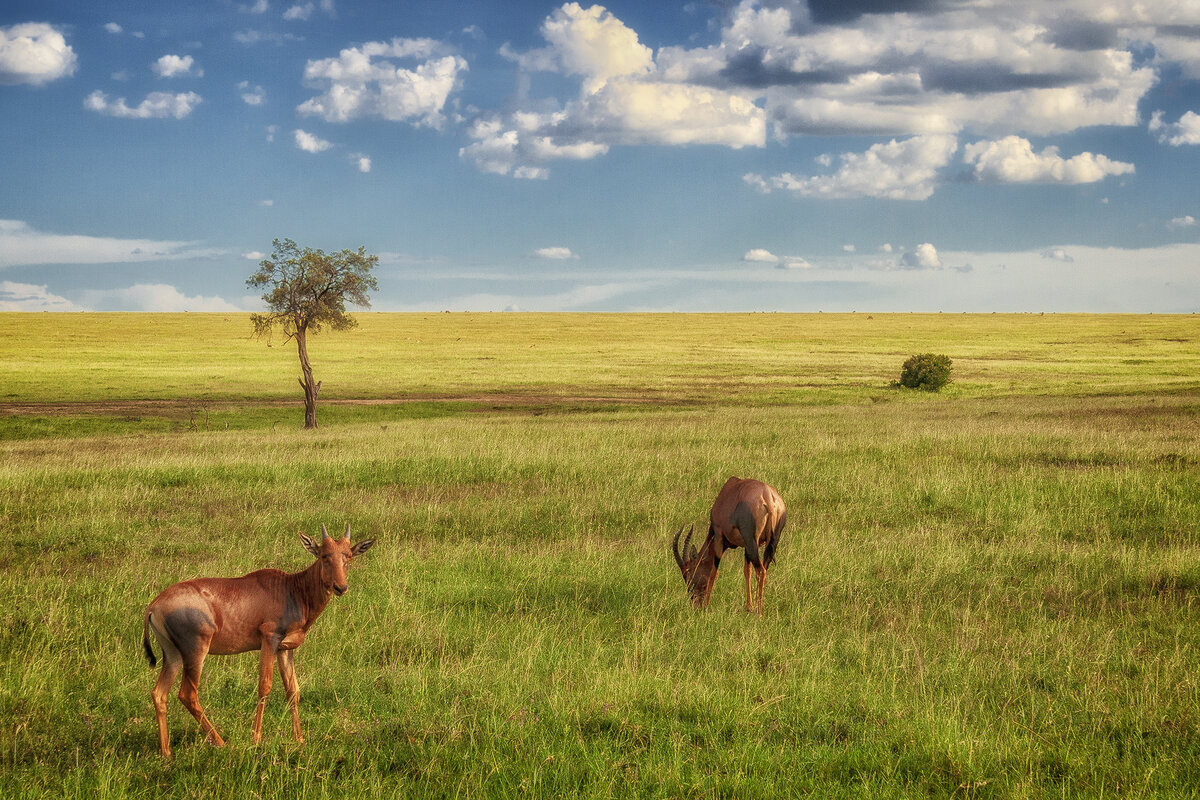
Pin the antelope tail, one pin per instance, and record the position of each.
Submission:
(146, 641)
(769, 555)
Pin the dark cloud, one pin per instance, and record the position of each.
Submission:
(750, 68)
(988, 79)
(1084, 35)
(832, 12)
(1182, 31)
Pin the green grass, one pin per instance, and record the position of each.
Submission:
(992, 591)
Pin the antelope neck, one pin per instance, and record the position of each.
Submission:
(309, 590)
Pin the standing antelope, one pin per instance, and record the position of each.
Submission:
(747, 513)
(268, 610)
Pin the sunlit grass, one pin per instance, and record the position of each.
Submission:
(987, 592)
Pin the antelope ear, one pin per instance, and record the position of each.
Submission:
(310, 545)
(361, 547)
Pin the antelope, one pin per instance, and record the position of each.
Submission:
(747, 513)
(269, 611)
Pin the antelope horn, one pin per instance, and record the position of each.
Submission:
(324, 533)
(690, 553)
(675, 547)
(347, 535)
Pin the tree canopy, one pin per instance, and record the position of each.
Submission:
(309, 289)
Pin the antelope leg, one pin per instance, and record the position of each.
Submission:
(266, 673)
(287, 671)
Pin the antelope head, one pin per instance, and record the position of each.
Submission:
(698, 572)
(334, 555)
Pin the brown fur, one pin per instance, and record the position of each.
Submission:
(747, 514)
(269, 611)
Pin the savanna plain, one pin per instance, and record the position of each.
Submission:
(989, 591)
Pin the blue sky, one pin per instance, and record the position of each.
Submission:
(792, 155)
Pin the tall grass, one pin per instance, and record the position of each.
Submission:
(986, 593)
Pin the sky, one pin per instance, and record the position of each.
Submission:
(762, 155)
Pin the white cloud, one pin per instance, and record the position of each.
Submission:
(157, 105)
(258, 7)
(151, 297)
(1058, 254)
(923, 256)
(1012, 160)
(254, 255)
(34, 53)
(896, 170)
(624, 98)
(363, 82)
(310, 143)
(593, 43)
(252, 95)
(1185, 131)
(362, 162)
(30, 297)
(173, 66)
(1186, 221)
(760, 255)
(21, 245)
(300, 11)
(924, 69)
(554, 253)
(113, 27)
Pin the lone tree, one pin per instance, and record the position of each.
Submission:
(308, 291)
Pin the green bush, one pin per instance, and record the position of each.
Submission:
(926, 371)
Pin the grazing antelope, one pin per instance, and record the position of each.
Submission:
(269, 611)
(747, 513)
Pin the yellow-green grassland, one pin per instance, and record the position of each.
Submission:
(988, 591)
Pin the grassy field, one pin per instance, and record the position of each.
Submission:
(993, 591)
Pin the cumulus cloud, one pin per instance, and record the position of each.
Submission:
(922, 68)
(34, 53)
(1185, 131)
(761, 256)
(310, 143)
(624, 98)
(1186, 221)
(157, 105)
(923, 256)
(173, 66)
(902, 70)
(31, 297)
(113, 28)
(22, 245)
(362, 162)
(1012, 160)
(554, 253)
(896, 170)
(364, 82)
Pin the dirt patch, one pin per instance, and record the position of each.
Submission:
(185, 409)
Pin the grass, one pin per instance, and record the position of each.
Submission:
(987, 592)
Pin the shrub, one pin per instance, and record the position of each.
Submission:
(926, 371)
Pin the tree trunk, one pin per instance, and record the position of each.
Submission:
(310, 386)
